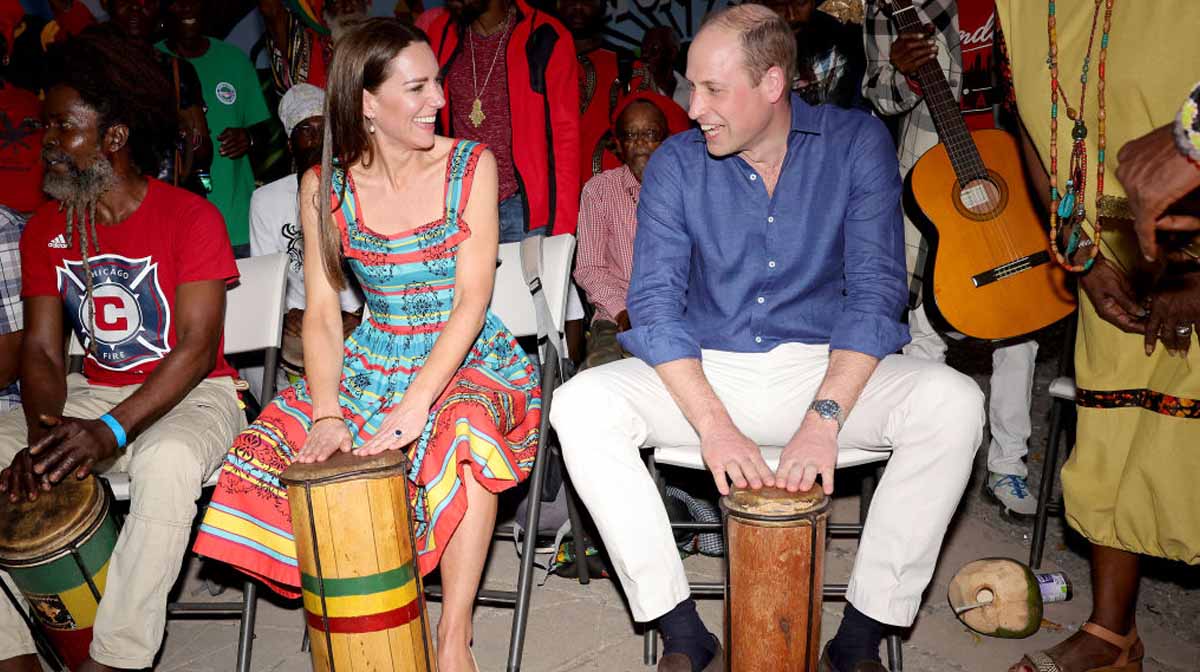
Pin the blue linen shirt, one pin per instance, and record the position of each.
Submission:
(718, 264)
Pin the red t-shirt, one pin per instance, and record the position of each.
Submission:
(174, 237)
(464, 82)
(977, 33)
(20, 149)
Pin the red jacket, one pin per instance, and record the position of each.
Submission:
(543, 95)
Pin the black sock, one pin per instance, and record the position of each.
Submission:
(857, 640)
(684, 632)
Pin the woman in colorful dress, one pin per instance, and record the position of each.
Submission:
(431, 371)
(1130, 483)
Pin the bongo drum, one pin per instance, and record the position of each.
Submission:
(56, 549)
(775, 552)
(363, 599)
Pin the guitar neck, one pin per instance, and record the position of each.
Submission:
(947, 115)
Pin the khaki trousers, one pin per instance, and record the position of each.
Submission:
(167, 465)
(928, 414)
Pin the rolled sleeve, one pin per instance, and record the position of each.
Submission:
(874, 244)
(662, 260)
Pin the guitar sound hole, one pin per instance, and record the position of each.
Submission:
(981, 197)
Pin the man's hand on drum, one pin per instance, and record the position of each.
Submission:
(71, 446)
(324, 439)
(402, 426)
(812, 452)
(731, 456)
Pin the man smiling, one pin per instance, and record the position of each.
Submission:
(768, 282)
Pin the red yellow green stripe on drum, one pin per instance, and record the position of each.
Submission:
(60, 596)
(362, 604)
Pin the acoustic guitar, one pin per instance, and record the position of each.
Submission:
(989, 273)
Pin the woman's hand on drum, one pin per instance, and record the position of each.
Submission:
(1174, 312)
(324, 439)
(731, 456)
(812, 452)
(402, 426)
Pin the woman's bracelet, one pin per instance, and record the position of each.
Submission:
(326, 417)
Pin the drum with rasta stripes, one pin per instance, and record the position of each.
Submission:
(363, 599)
(56, 549)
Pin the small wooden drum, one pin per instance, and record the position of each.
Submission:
(775, 553)
(363, 598)
(56, 549)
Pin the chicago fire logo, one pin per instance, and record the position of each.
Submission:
(132, 314)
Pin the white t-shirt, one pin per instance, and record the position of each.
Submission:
(275, 227)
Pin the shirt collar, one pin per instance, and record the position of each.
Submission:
(628, 181)
(804, 118)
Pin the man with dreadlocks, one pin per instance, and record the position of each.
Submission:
(140, 268)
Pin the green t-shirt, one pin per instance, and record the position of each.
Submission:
(234, 100)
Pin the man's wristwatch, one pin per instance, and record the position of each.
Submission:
(828, 409)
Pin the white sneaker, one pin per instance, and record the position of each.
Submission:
(1012, 493)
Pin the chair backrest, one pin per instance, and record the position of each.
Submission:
(511, 300)
(253, 309)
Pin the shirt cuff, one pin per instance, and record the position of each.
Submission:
(869, 333)
(659, 343)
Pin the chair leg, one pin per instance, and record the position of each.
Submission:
(246, 631)
(1049, 469)
(578, 532)
(895, 659)
(650, 645)
(516, 644)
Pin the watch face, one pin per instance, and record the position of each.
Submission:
(827, 408)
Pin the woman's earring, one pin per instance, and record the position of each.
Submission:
(370, 125)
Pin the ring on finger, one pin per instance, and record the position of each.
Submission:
(1183, 330)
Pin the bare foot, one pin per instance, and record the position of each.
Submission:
(1082, 651)
(26, 663)
(455, 656)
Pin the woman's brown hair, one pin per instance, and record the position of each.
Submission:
(361, 62)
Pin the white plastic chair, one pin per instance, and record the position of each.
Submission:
(253, 322)
(513, 301)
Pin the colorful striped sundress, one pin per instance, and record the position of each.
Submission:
(486, 420)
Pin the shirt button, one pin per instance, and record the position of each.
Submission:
(770, 264)
(761, 299)
(758, 339)
(753, 177)
(771, 219)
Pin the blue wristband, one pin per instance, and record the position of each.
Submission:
(116, 428)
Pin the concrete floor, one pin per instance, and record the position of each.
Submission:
(588, 628)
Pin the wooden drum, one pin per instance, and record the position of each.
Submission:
(56, 549)
(775, 552)
(363, 599)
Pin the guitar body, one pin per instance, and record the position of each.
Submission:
(989, 274)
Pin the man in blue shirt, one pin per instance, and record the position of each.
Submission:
(767, 288)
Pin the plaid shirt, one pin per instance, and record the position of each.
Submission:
(888, 89)
(11, 314)
(607, 224)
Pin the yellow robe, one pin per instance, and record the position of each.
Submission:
(1133, 480)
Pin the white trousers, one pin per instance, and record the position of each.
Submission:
(167, 465)
(929, 415)
(1011, 391)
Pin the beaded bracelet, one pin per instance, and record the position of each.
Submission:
(1187, 127)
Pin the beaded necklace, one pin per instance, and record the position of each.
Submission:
(1069, 211)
